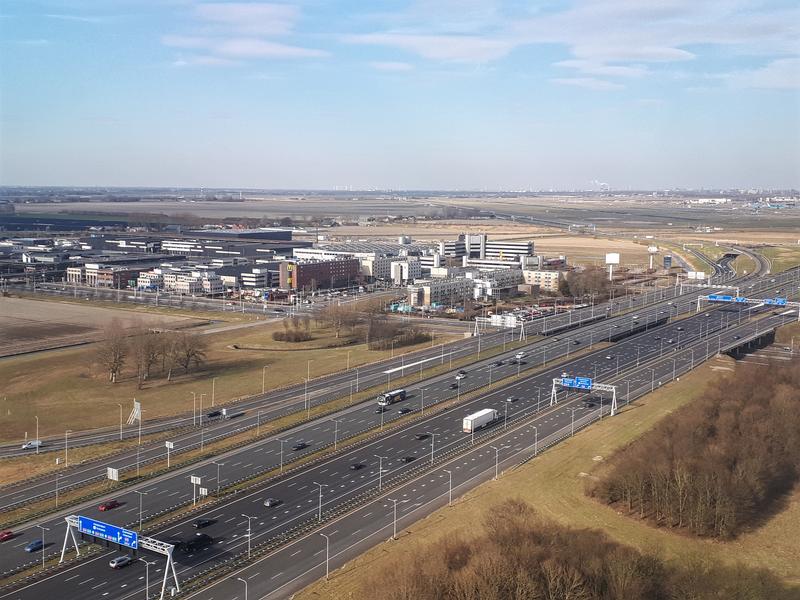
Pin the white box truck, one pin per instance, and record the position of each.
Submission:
(479, 419)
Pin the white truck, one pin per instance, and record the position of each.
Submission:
(228, 413)
(482, 418)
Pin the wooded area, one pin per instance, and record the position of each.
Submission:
(520, 555)
(718, 465)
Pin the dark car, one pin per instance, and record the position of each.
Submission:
(407, 459)
(108, 505)
(380, 409)
(498, 363)
(34, 546)
(680, 328)
(299, 446)
(214, 414)
(576, 342)
(405, 410)
(198, 542)
(200, 523)
(453, 386)
(462, 372)
(420, 436)
(270, 502)
(176, 542)
(356, 466)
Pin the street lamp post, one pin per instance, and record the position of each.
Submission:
(249, 531)
(327, 555)
(433, 440)
(140, 506)
(505, 417)
(394, 520)
(43, 528)
(572, 428)
(335, 432)
(450, 488)
(535, 441)
(319, 512)
(497, 459)
(380, 471)
(37, 433)
(146, 576)
(57, 476)
(66, 447)
(120, 422)
(245, 586)
(264, 379)
(258, 423)
(422, 408)
(194, 409)
(218, 466)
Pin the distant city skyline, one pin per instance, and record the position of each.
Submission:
(405, 95)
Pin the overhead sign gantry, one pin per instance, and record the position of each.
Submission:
(583, 383)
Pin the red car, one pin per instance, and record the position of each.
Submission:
(6, 535)
(108, 505)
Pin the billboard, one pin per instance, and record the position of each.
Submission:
(612, 258)
(111, 533)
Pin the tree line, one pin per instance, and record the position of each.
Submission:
(521, 556)
(719, 464)
(147, 352)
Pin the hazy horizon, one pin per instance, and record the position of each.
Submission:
(426, 95)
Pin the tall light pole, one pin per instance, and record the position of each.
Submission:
(57, 476)
(394, 519)
(43, 528)
(422, 402)
(450, 488)
(37, 434)
(536, 440)
(319, 512)
(264, 379)
(433, 439)
(146, 576)
(505, 418)
(218, 466)
(258, 423)
(380, 471)
(194, 409)
(282, 443)
(335, 432)
(140, 506)
(327, 555)
(497, 459)
(213, 390)
(245, 586)
(308, 406)
(120, 422)
(249, 531)
(572, 432)
(348, 359)
(66, 447)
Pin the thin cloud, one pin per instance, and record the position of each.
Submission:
(395, 66)
(204, 61)
(249, 17)
(448, 48)
(780, 74)
(589, 83)
(78, 18)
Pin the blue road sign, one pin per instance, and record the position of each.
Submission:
(740, 299)
(719, 298)
(780, 301)
(111, 533)
(568, 381)
(585, 383)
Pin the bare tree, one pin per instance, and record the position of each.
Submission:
(146, 351)
(113, 350)
(188, 349)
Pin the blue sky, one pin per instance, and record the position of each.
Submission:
(415, 94)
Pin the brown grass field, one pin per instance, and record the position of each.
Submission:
(67, 391)
(554, 485)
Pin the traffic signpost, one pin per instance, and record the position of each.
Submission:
(108, 532)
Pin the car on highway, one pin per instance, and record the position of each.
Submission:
(420, 436)
(108, 505)
(380, 409)
(511, 399)
(454, 386)
(120, 561)
(198, 542)
(405, 410)
(34, 546)
(670, 341)
(6, 535)
(576, 342)
(498, 363)
(270, 502)
(737, 337)
(31, 444)
(200, 523)
(460, 376)
(299, 446)
(356, 466)
(407, 459)
(680, 328)
(609, 357)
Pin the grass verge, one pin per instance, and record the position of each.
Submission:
(554, 485)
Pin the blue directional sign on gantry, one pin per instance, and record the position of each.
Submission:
(581, 383)
(106, 531)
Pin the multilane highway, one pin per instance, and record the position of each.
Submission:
(341, 484)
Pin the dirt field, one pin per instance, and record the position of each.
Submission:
(434, 230)
(67, 390)
(30, 325)
(554, 485)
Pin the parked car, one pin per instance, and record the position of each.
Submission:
(108, 505)
(270, 502)
(200, 523)
(120, 561)
(6, 535)
(34, 546)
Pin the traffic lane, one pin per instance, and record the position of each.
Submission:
(565, 413)
(171, 496)
(169, 493)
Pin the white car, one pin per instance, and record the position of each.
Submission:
(120, 561)
(30, 445)
(460, 376)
